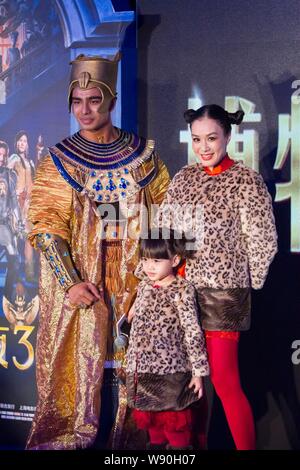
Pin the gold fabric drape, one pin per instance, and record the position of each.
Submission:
(72, 342)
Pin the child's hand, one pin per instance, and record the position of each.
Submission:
(197, 383)
(131, 314)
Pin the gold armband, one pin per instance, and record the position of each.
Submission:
(57, 253)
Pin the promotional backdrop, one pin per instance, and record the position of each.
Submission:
(38, 39)
(242, 54)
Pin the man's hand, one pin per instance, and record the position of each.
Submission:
(84, 294)
(197, 383)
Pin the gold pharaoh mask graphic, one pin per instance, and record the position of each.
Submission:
(20, 312)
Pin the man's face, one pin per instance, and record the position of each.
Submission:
(85, 107)
(2, 156)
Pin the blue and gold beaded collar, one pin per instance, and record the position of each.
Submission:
(105, 172)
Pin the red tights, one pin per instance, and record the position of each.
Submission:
(173, 427)
(223, 360)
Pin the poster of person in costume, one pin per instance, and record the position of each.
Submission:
(38, 40)
(27, 28)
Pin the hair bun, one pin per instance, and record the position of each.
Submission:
(236, 118)
(190, 115)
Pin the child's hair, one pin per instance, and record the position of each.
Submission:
(164, 243)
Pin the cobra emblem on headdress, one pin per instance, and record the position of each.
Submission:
(84, 79)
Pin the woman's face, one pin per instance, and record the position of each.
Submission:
(22, 144)
(209, 141)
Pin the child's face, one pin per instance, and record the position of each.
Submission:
(158, 269)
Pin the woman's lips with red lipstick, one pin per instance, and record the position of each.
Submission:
(207, 156)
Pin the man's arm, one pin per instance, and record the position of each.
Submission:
(50, 203)
(57, 253)
(50, 213)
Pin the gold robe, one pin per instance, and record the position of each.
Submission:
(71, 343)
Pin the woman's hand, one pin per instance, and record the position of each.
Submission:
(197, 383)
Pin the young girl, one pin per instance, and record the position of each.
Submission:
(166, 357)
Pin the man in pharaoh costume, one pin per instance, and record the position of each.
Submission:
(10, 220)
(92, 196)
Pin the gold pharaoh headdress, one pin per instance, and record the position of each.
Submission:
(95, 71)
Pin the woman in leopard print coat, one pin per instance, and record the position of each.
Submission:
(228, 208)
